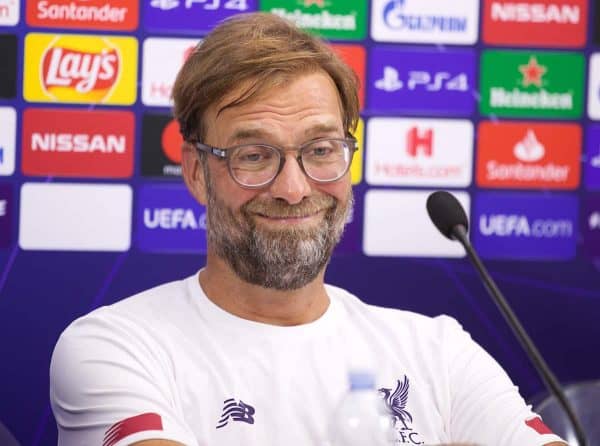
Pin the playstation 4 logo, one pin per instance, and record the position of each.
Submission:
(389, 81)
(209, 5)
(437, 81)
(165, 5)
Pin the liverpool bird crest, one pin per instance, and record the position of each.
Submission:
(396, 402)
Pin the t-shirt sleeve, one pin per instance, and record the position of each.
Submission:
(111, 385)
(486, 407)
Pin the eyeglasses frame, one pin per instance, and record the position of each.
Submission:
(224, 154)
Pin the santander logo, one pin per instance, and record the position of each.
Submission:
(529, 149)
(81, 71)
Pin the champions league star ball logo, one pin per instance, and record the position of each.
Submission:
(396, 404)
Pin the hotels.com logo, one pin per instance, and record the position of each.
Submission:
(80, 69)
(163, 57)
(419, 152)
(419, 142)
(528, 155)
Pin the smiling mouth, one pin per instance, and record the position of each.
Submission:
(291, 217)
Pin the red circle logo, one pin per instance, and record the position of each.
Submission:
(171, 142)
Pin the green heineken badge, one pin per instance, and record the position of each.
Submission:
(531, 84)
(332, 19)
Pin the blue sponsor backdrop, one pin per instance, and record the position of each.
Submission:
(558, 300)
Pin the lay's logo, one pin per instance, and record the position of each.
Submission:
(80, 69)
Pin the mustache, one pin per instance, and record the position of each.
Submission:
(282, 209)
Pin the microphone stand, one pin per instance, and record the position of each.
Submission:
(460, 233)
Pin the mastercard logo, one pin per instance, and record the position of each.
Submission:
(171, 142)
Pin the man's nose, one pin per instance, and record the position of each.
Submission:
(291, 185)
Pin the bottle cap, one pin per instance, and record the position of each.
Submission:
(361, 380)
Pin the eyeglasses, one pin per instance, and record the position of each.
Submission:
(256, 165)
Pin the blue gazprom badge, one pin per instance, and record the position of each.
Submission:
(422, 81)
(168, 219)
(197, 17)
(534, 226)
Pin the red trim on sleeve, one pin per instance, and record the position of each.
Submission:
(538, 425)
(139, 423)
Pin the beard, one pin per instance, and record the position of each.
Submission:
(281, 259)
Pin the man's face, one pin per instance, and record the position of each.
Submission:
(280, 236)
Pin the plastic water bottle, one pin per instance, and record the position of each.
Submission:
(361, 418)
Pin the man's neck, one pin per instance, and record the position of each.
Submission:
(253, 302)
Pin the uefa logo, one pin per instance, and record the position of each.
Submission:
(524, 225)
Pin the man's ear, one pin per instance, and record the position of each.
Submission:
(193, 172)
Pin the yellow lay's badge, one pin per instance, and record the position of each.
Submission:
(356, 168)
(84, 69)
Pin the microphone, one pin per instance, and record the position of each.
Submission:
(449, 217)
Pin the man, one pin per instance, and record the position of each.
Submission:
(255, 349)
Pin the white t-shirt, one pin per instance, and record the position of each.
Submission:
(170, 364)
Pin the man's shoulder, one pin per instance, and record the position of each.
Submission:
(393, 319)
(151, 306)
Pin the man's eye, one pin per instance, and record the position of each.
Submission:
(254, 155)
(320, 152)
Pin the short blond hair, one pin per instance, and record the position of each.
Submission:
(261, 50)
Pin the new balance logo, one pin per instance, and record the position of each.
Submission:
(236, 412)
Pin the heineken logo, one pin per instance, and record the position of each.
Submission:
(330, 19)
(321, 20)
(525, 84)
(307, 3)
(532, 72)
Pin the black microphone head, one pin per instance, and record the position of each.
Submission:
(446, 213)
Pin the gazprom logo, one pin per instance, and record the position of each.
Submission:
(396, 18)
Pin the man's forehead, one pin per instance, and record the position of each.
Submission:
(255, 129)
(256, 91)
